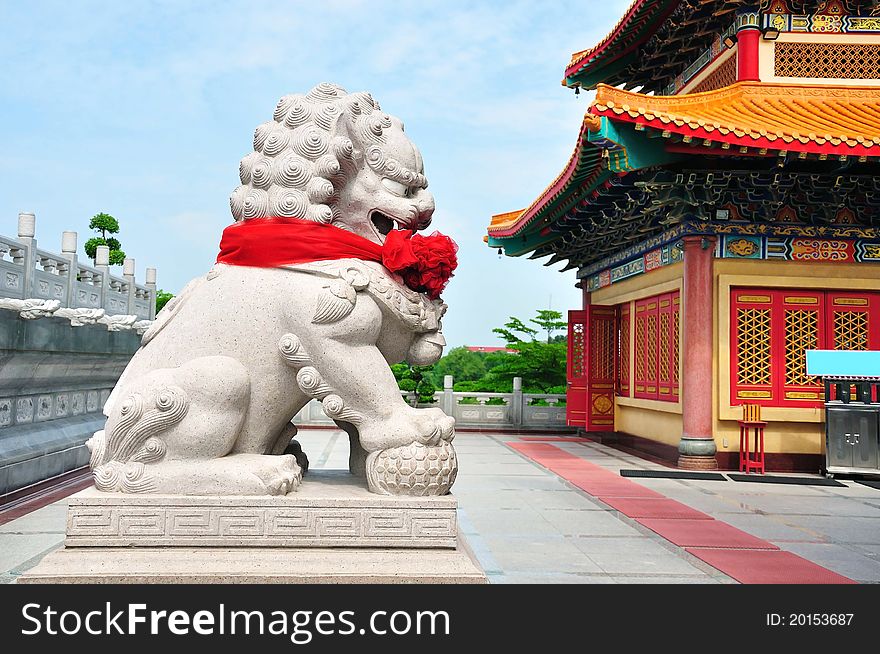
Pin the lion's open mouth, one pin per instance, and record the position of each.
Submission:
(382, 223)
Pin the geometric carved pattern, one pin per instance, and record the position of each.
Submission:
(753, 347)
(641, 347)
(801, 333)
(770, 339)
(651, 339)
(656, 348)
(263, 526)
(675, 340)
(828, 60)
(724, 75)
(850, 330)
(576, 349)
(664, 343)
(623, 353)
(602, 363)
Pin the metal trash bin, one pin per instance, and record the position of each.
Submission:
(852, 409)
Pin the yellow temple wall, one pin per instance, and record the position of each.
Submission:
(650, 419)
(639, 418)
(790, 430)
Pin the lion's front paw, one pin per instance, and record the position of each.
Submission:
(280, 474)
(425, 426)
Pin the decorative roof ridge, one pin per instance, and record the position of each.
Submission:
(504, 221)
(606, 91)
(582, 58)
(577, 57)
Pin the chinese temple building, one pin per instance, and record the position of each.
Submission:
(722, 210)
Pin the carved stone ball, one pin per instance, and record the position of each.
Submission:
(415, 469)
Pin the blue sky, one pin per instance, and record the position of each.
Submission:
(143, 110)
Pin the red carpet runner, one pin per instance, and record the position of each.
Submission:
(740, 555)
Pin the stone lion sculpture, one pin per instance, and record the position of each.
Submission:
(205, 405)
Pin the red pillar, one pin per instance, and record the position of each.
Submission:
(747, 41)
(697, 447)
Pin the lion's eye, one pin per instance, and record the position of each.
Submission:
(394, 187)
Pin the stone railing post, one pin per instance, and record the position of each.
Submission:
(516, 408)
(151, 291)
(27, 227)
(128, 273)
(448, 398)
(68, 251)
(102, 263)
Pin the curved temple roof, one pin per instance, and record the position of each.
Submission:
(657, 39)
(800, 118)
(747, 118)
(638, 23)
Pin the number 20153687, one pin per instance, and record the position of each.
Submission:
(809, 619)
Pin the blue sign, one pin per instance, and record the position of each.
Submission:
(843, 363)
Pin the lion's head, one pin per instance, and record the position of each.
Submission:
(334, 156)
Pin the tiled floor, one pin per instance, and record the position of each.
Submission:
(526, 524)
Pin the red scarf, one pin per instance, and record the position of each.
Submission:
(424, 262)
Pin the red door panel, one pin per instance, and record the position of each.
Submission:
(602, 335)
(576, 370)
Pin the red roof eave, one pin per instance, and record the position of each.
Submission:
(587, 56)
(550, 193)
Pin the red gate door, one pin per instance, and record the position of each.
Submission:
(576, 370)
(601, 368)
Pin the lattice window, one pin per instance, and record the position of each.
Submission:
(623, 349)
(850, 330)
(641, 350)
(576, 349)
(753, 347)
(656, 348)
(724, 75)
(801, 333)
(664, 372)
(651, 337)
(771, 329)
(603, 350)
(676, 336)
(827, 60)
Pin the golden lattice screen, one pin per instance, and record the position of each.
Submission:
(801, 333)
(602, 350)
(850, 330)
(623, 354)
(656, 347)
(578, 332)
(827, 60)
(772, 328)
(753, 347)
(724, 75)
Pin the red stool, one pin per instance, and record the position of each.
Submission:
(750, 459)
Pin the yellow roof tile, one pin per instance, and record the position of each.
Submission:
(836, 115)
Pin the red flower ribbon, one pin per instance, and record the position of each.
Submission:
(424, 262)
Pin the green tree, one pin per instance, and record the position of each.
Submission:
(550, 321)
(106, 224)
(513, 327)
(415, 379)
(462, 364)
(162, 298)
(540, 365)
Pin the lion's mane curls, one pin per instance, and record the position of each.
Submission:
(310, 150)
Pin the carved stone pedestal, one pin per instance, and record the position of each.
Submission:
(331, 531)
